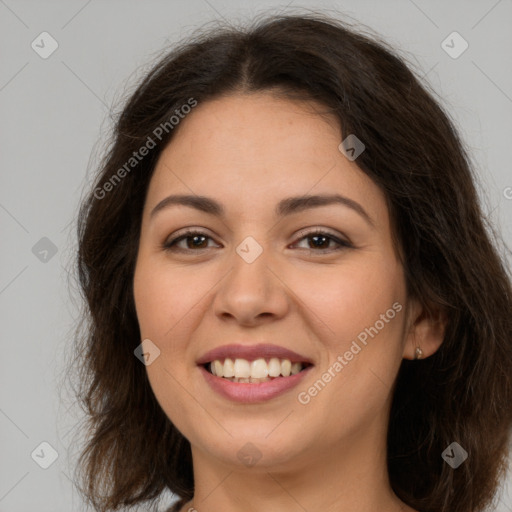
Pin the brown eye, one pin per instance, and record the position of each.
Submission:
(320, 240)
(194, 240)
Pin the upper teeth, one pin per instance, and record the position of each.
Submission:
(257, 369)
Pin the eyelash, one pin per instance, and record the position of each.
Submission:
(170, 245)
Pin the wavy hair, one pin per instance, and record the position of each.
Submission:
(449, 251)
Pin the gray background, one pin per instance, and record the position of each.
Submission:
(55, 114)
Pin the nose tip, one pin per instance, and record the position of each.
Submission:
(250, 293)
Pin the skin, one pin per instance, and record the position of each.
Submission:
(329, 454)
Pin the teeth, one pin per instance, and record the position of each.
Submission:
(250, 380)
(259, 370)
(286, 367)
(219, 368)
(242, 369)
(296, 368)
(274, 367)
(228, 370)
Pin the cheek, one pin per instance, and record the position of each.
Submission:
(361, 307)
(362, 312)
(163, 298)
(347, 300)
(164, 301)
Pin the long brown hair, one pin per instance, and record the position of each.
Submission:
(462, 393)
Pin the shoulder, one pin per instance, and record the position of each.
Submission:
(179, 506)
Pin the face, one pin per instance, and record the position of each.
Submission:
(265, 281)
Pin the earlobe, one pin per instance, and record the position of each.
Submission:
(425, 334)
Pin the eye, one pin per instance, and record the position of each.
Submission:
(321, 241)
(194, 240)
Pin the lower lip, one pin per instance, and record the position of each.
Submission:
(246, 392)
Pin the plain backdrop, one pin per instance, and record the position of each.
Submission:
(55, 114)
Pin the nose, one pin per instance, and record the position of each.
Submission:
(252, 292)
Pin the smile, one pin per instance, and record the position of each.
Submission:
(252, 374)
(259, 370)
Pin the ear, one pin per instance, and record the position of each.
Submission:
(426, 330)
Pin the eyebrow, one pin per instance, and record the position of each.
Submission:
(285, 207)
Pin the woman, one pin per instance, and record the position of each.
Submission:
(294, 303)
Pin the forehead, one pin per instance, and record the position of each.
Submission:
(257, 128)
(252, 149)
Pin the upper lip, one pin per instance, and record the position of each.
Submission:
(252, 352)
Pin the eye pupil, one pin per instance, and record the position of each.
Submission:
(316, 237)
(195, 238)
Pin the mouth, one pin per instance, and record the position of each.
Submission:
(259, 370)
(254, 373)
